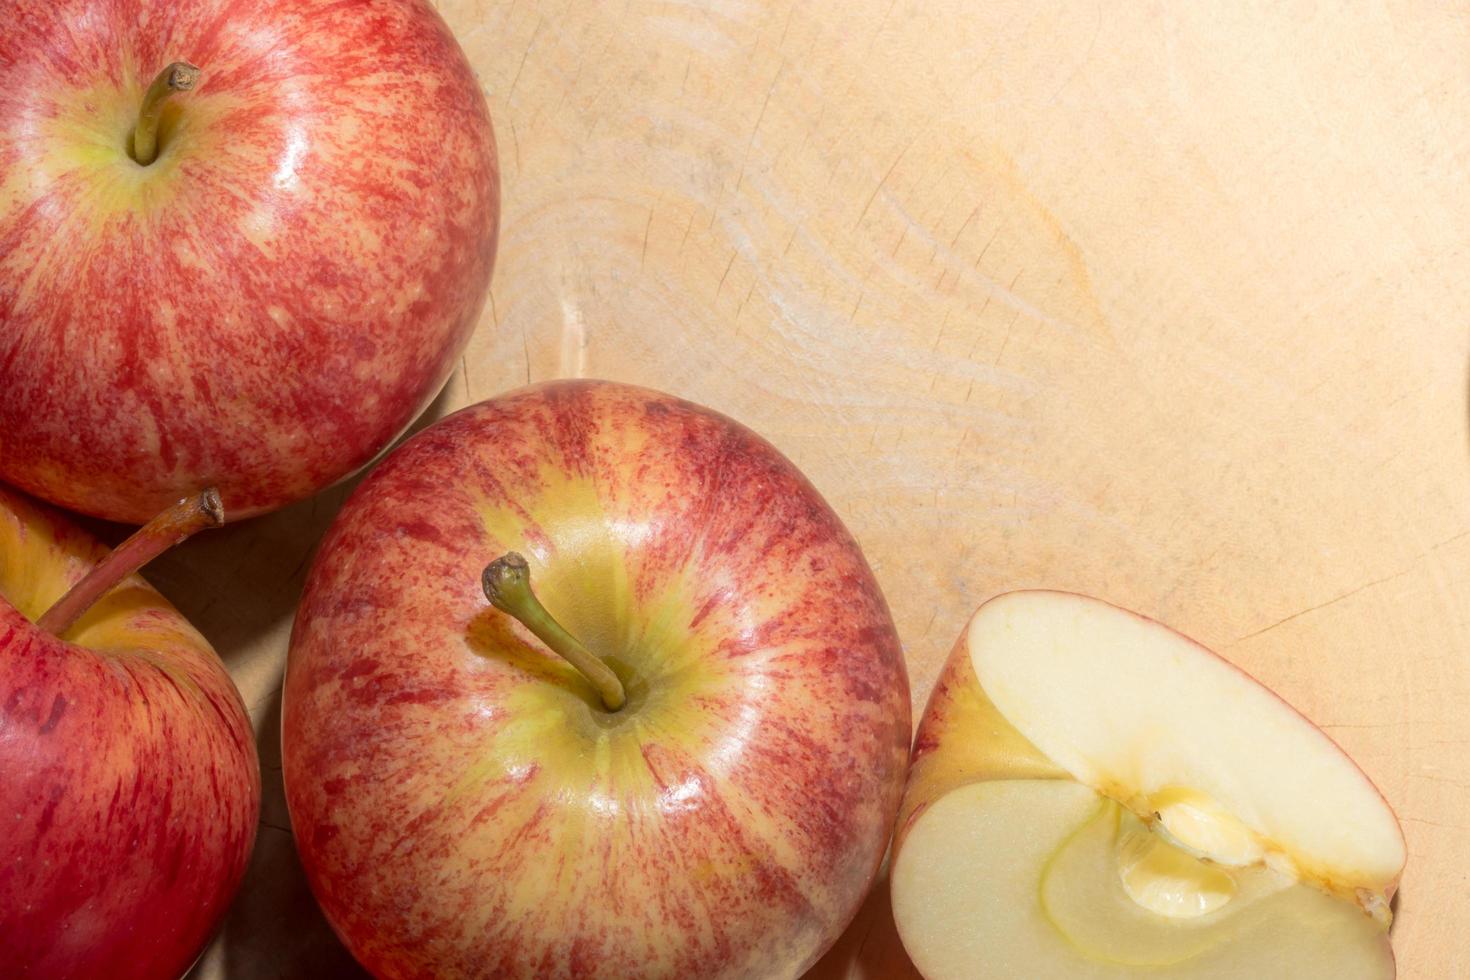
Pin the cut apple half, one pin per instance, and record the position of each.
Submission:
(1095, 795)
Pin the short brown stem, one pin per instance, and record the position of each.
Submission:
(507, 584)
(177, 77)
(147, 543)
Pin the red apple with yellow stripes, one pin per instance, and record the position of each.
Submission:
(241, 243)
(129, 787)
(686, 763)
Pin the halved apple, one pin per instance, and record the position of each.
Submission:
(1095, 795)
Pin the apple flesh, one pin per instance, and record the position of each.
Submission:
(270, 301)
(131, 789)
(467, 804)
(1093, 794)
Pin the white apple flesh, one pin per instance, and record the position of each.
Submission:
(1094, 794)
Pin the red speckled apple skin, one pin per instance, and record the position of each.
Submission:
(129, 787)
(462, 807)
(269, 303)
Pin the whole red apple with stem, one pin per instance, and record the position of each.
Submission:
(241, 244)
(697, 779)
(130, 789)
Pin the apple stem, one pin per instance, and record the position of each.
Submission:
(507, 584)
(147, 543)
(177, 77)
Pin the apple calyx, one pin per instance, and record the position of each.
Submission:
(169, 528)
(507, 584)
(179, 76)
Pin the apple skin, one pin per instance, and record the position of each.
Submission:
(963, 738)
(131, 790)
(462, 804)
(273, 300)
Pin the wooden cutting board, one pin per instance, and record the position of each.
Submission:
(1165, 303)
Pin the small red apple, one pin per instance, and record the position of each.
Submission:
(707, 792)
(129, 787)
(255, 284)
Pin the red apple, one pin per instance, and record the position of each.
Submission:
(269, 301)
(467, 803)
(130, 788)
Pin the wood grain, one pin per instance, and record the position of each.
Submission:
(1163, 303)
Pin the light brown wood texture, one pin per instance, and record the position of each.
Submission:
(1166, 303)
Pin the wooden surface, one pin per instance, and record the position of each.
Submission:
(1158, 302)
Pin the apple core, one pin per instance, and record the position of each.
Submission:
(1167, 881)
(1205, 829)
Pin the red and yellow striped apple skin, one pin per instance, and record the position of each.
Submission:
(463, 810)
(271, 301)
(129, 787)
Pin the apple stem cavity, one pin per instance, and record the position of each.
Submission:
(169, 528)
(177, 77)
(507, 584)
